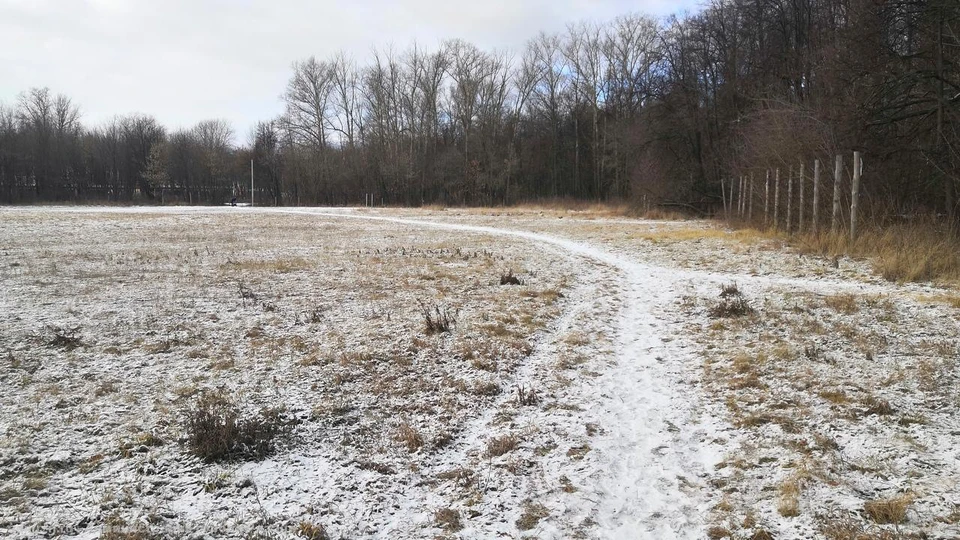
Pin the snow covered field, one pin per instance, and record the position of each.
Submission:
(606, 396)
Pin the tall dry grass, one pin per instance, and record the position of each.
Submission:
(920, 251)
(904, 253)
(584, 208)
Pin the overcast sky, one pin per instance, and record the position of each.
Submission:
(188, 60)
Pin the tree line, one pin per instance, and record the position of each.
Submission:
(637, 108)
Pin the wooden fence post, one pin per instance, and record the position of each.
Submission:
(723, 197)
(740, 200)
(776, 202)
(766, 202)
(746, 193)
(800, 226)
(790, 201)
(816, 194)
(736, 201)
(855, 195)
(837, 171)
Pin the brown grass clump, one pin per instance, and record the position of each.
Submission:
(499, 446)
(877, 406)
(448, 519)
(64, 338)
(532, 514)
(119, 532)
(217, 431)
(312, 531)
(409, 436)
(843, 303)
(837, 397)
(888, 511)
(790, 490)
(716, 533)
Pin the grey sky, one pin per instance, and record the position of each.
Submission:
(188, 60)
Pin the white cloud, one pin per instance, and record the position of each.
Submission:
(188, 60)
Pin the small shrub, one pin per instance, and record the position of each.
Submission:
(732, 303)
(216, 430)
(510, 279)
(729, 290)
(448, 519)
(64, 338)
(437, 320)
(526, 396)
(247, 293)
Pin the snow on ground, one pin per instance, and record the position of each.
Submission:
(602, 398)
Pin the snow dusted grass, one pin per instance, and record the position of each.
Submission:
(840, 391)
(411, 395)
(845, 406)
(118, 326)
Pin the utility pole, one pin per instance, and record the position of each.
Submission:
(251, 182)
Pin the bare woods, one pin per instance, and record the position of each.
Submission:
(662, 111)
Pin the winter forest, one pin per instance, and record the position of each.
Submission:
(632, 109)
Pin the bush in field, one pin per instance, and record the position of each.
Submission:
(437, 320)
(216, 430)
(732, 303)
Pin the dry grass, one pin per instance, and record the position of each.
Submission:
(888, 511)
(904, 253)
(791, 489)
(437, 320)
(344, 339)
(952, 300)
(409, 437)
(448, 519)
(843, 303)
(559, 205)
(532, 514)
(693, 234)
(216, 430)
(312, 531)
(717, 532)
(499, 446)
(279, 266)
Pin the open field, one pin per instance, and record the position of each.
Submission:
(332, 373)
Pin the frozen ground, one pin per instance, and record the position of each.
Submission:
(827, 410)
